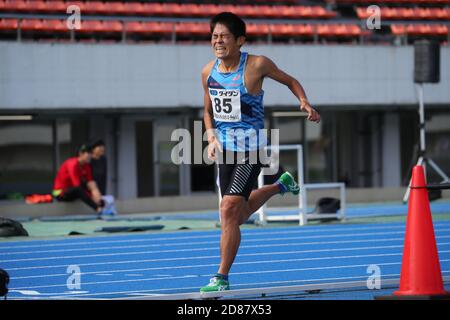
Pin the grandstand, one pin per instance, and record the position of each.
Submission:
(285, 21)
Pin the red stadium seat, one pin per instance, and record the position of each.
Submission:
(32, 25)
(9, 24)
(192, 10)
(134, 27)
(304, 30)
(172, 9)
(90, 26)
(192, 29)
(37, 6)
(154, 28)
(94, 7)
(15, 5)
(210, 9)
(112, 26)
(216, 9)
(135, 8)
(117, 8)
(57, 25)
(153, 9)
(265, 11)
(419, 30)
(282, 30)
(254, 29)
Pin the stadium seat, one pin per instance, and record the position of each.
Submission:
(112, 26)
(172, 9)
(90, 26)
(33, 25)
(94, 7)
(153, 9)
(9, 24)
(189, 29)
(192, 10)
(118, 8)
(55, 25)
(419, 30)
(37, 6)
(256, 30)
(282, 30)
(135, 8)
(14, 5)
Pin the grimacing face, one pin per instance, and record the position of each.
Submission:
(223, 42)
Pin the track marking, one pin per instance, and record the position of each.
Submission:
(231, 274)
(237, 262)
(401, 240)
(196, 249)
(215, 234)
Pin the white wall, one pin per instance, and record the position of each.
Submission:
(38, 75)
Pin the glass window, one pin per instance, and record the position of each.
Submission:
(26, 159)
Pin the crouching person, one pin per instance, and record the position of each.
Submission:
(74, 181)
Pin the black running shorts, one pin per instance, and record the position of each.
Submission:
(239, 177)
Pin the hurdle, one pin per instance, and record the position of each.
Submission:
(303, 216)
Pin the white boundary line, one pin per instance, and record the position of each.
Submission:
(203, 249)
(143, 292)
(247, 262)
(214, 234)
(401, 240)
(262, 292)
(208, 275)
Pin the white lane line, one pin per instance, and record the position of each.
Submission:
(214, 234)
(400, 240)
(190, 243)
(231, 274)
(281, 271)
(237, 263)
(156, 291)
(195, 249)
(240, 255)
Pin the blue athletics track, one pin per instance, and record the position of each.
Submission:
(339, 261)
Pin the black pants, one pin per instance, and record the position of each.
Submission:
(75, 193)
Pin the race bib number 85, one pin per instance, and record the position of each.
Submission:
(226, 104)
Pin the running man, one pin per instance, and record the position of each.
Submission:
(233, 100)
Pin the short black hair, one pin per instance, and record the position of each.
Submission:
(233, 23)
(96, 143)
(84, 148)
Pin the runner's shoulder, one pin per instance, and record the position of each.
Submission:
(258, 62)
(206, 70)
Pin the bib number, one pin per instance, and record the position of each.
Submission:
(226, 104)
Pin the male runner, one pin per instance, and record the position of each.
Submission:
(234, 101)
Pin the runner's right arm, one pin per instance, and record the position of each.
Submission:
(208, 117)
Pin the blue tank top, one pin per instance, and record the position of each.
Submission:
(238, 115)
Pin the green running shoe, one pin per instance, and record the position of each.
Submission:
(216, 284)
(288, 183)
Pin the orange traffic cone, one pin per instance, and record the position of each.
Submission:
(421, 271)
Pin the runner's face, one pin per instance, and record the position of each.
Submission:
(223, 42)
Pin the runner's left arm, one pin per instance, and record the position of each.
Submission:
(270, 69)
